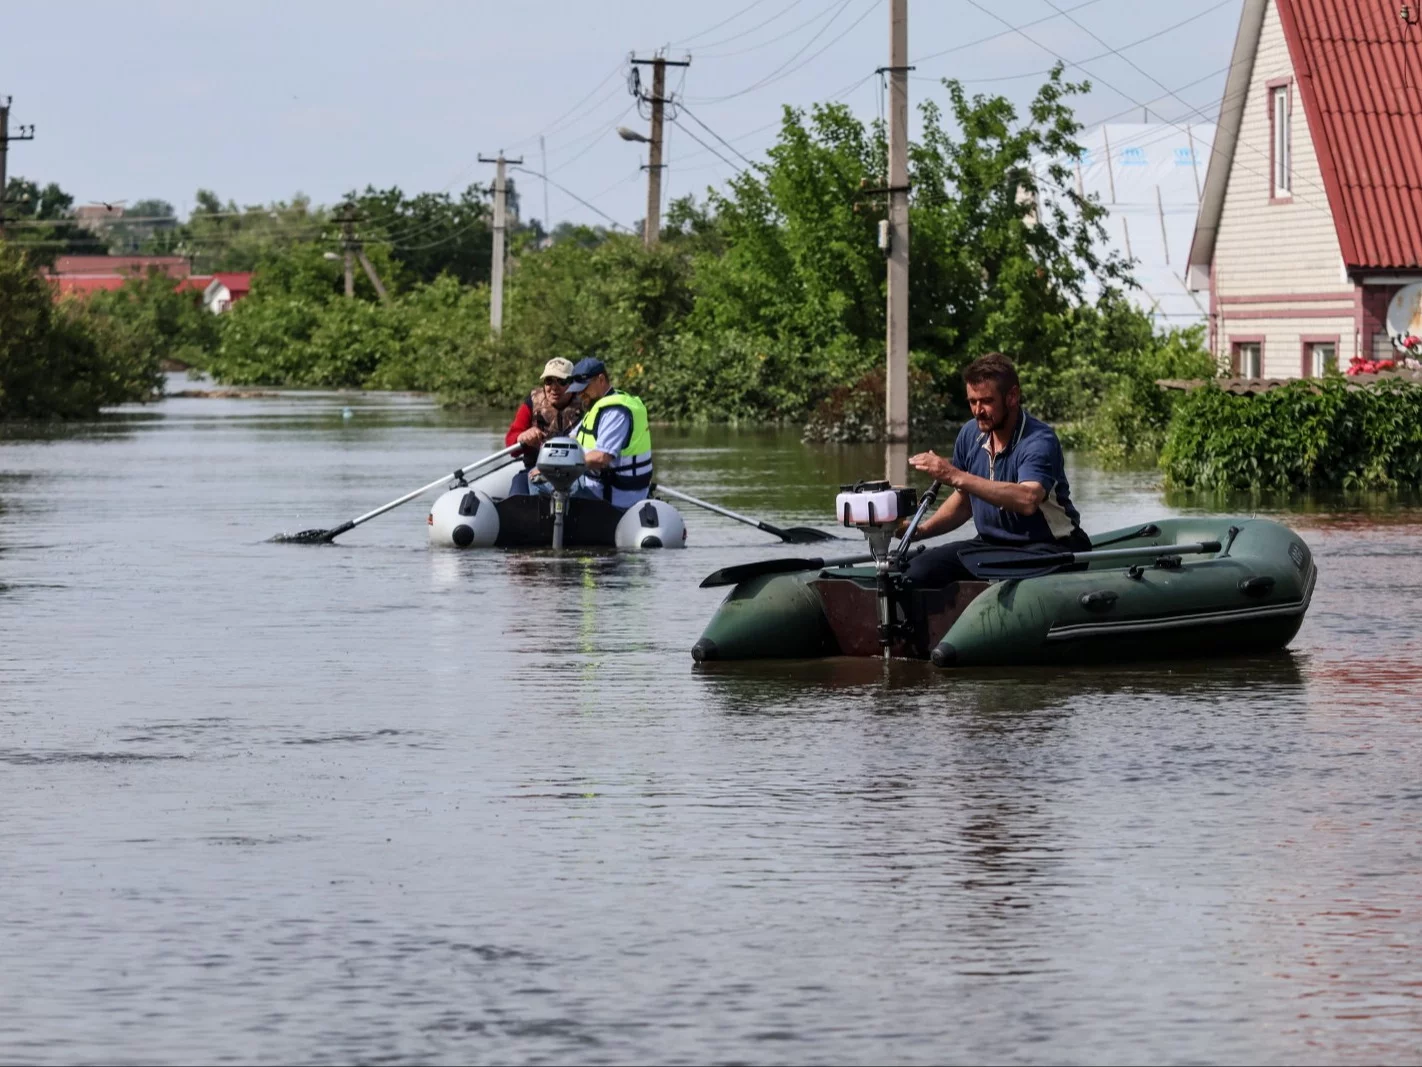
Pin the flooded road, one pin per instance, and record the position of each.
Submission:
(378, 803)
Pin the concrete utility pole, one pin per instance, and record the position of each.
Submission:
(27, 133)
(896, 373)
(353, 249)
(501, 205)
(652, 228)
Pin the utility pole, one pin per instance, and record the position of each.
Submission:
(543, 153)
(652, 228)
(896, 372)
(352, 249)
(501, 205)
(27, 133)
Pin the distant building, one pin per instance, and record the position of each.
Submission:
(97, 217)
(82, 275)
(225, 289)
(1148, 176)
(122, 266)
(1311, 219)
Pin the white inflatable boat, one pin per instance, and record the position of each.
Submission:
(482, 513)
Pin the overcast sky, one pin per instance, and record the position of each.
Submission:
(260, 100)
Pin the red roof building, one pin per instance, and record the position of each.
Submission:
(177, 266)
(1309, 237)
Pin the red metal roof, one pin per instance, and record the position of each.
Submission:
(177, 266)
(84, 284)
(1359, 69)
(238, 283)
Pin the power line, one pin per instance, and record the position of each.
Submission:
(728, 19)
(995, 36)
(771, 40)
(746, 33)
(781, 71)
(564, 189)
(708, 148)
(1127, 96)
(691, 115)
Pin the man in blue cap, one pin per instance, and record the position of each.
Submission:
(615, 438)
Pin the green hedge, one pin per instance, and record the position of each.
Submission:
(1309, 434)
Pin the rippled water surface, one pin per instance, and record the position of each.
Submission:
(378, 803)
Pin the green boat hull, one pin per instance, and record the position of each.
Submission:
(1252, 600)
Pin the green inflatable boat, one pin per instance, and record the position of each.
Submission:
(1182, 588)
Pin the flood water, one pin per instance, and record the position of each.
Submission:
(375, 802)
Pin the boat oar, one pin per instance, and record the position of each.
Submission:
(744, 572)
(795, 535)
(321, 537)
(992, 561)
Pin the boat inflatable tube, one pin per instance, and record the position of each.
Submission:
(464, 517)
(1249, 597)
(650, 524)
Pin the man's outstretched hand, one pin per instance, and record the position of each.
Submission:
(938, 468)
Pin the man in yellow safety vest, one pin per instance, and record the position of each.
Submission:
(615, 438)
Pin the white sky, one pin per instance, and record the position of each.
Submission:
(259, 100)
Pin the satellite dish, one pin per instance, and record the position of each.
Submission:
(1404, 314)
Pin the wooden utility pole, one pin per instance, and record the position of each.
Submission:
(27, 133)
(652, 228)
(353, 249)
(501, 204)
(896, 372)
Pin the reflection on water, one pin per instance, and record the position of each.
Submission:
(376, 802)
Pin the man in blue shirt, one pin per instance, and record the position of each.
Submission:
(1007, 474)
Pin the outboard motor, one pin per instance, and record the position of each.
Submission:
(875, 508)
(560, 464)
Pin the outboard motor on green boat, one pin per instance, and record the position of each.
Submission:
(560, 463)
(875, 508)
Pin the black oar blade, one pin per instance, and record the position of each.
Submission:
(1026, 562)
(744, 572)
(804, 535)
(305, 537)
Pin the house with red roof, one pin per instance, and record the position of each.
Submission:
(1309, 235)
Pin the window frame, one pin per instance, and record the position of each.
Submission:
(1306, 345)
(1281, 89)
(1238, 342)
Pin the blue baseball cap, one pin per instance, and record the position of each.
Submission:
(584, 371)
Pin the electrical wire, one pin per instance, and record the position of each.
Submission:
(691, 115)
(575, 196)
(746, 33)
(781, 71)
(725, 21)
(703, 144)
(771, 40)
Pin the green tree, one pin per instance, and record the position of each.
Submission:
(62, 361)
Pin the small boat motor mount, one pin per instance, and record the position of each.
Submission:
(875, 508)
(561, 463)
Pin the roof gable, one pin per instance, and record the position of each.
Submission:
(1358, 67)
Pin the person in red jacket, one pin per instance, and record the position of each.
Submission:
(549, 411)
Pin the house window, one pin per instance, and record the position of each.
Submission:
(1283, 165)
(1321, 358)
(1248, 359)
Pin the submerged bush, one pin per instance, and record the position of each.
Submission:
(66, 360)
(1309, 434)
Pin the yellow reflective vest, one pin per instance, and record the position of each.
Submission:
(632, 470)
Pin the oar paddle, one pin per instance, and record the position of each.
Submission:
(795, 535)
(321, 537)
(744, 572)
(991, 561)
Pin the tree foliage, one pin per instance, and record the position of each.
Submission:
(63, 360)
